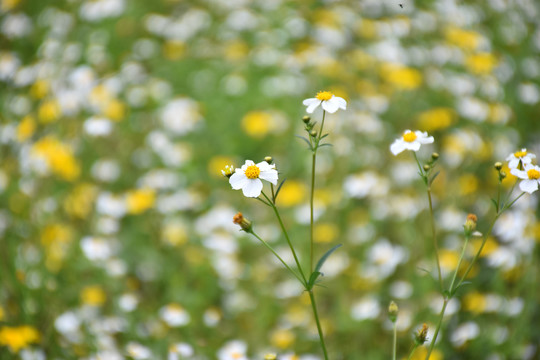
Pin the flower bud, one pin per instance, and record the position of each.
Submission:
(244, 223)
(313, 133)
(393, 311)
(421, 337)
(470, 224)
(228, 171)
(435, 156)
(498, 166)
(268, 159)
(502, 175)
(427, 167)
(306, 119)
(270, 357)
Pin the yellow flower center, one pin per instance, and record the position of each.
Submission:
(409, 137)
(324, 95)
(252, 172)
(533, 174)
(519, 154)
(236, 355)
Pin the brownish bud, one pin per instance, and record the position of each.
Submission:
(244, 223)
(421, 337)
(470, 224)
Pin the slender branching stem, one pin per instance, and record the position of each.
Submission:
(279, 257)
(437, 329)
(451, 289)
(412, 351)
(284, 230)
(432, 219)
(394, 344)
(312, 193)
(319, 328)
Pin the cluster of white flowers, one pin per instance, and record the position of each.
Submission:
(520, 164)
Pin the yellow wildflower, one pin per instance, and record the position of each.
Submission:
(17, 338)
(58, 157)
(482, 63)
(93, 296)
(257, 123)
(401, 77)
(138, 201)
(325, 232)
(465, 39)
(26, 128)
(174, 50)
(49, 111)
(282, 339)
(436, 119)
(292, 193)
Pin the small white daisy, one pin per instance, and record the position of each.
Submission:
(248, 177)
(327, 100)
(233, 350)
(519, 156)
(410, 141)
(174, 315)
(530, 177)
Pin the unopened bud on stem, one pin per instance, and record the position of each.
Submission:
(393, 311)
(268, 159)
(270, 357)
(244, 223)
(427, 167)
(498, 166)
(421, 337)
(306, 119)
(313, 133)
(470, 224)
(435, 156)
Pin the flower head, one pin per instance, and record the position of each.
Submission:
(244, 223)
(248, 177)
(519, 157)
(410, 141)
(421, 336)
(530, 177)
(228, 171)
(327, 100)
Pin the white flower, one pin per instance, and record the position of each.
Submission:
(174, 315)
(248, 177)
(327, 100)
(233, 350)
(138, 351)
(530, 176)
(519, 156)
(410, 141)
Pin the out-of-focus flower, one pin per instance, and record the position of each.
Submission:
(248, 177)
(421, 336)
(180, 351)
(138, 201)
(19, 337)
(228, 171)
(93, 296)
(174, 315)
(410, 141)
(530, 176)
(327, 100)
(233, 350)
(138, 351)
(519, 158)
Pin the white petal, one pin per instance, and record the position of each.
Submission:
(414, 146)
(532, 156)
(510, 157)
(269, 175)
(311, 107)
(526, 160)
(310, 101)
(330, 106)
(529, 186)
(252, 188)
(425, 140)
(264, 166)
(342, 104)
(397, 147)
(513, 163)
(238, 180)
(519, 173)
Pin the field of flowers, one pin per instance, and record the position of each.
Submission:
(117, 118)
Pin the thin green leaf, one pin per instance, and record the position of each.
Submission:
(279, 188)
(264, 202)
(312, 279)
(494, 203)
(306, 140)
(327, 144)
(433, 177)
(321, 261)
(322, 137)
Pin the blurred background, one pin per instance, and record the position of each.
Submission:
(117, 116)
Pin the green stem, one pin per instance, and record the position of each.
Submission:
(441, 316)
(319, 328)
(412, 351)
(312, 193)
(467, 238)
(434, 234)
(288, 240)
(394, 352)
(279, 257)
